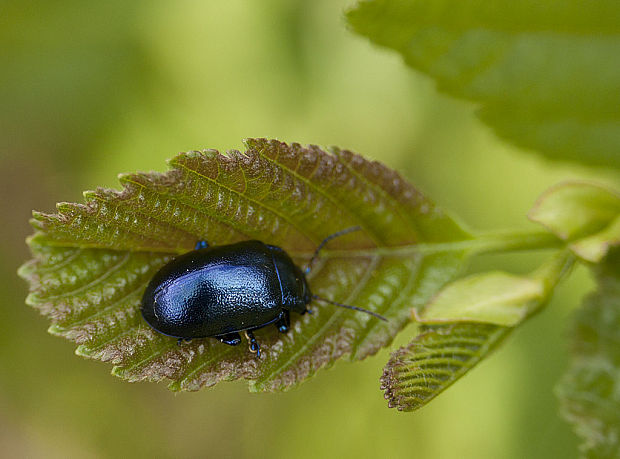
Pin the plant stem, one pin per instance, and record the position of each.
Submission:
(506, 241)
(502, 241)
(554, 269)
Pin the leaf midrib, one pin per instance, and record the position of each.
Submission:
(337, 204)
(258, 203)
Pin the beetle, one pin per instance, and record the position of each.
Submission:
(221, 291)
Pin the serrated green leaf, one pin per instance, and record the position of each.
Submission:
(92, 261)
(435, 359)
(583, 214)
(589, 392)
(474, 315)
(545, 73)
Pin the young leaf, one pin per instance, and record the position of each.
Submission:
(545, 73)
(584, 214)
(435, 359)
(494, 297)
(92, 261)
(497, 298)
(589, 392)
(474, 315)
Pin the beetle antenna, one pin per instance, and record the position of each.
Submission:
(325, 241)
(378, 316)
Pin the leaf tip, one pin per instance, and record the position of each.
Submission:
(175, 386)
(118, 371)
(89, 195)
(32, 300)
(55, 330)
(254, 142)
(25, 270)
(36, 239)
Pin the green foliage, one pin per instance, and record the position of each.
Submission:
(590, 390)
(435, 359)
(495, 297)
(305, 79)
(584, 214)
(545, 73)
(475, 314)
(92, 261)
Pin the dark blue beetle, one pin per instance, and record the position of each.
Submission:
(223, 290)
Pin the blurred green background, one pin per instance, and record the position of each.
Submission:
(88, 90)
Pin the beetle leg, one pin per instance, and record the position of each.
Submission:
(232, 339)
(201, 245)
(284, 322)
(254, 347)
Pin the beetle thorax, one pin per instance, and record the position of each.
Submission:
(295, 290)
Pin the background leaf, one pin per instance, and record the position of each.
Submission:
(545, 73)
(584, 214)
(92, 261)
(441, 354)
(590, 390)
